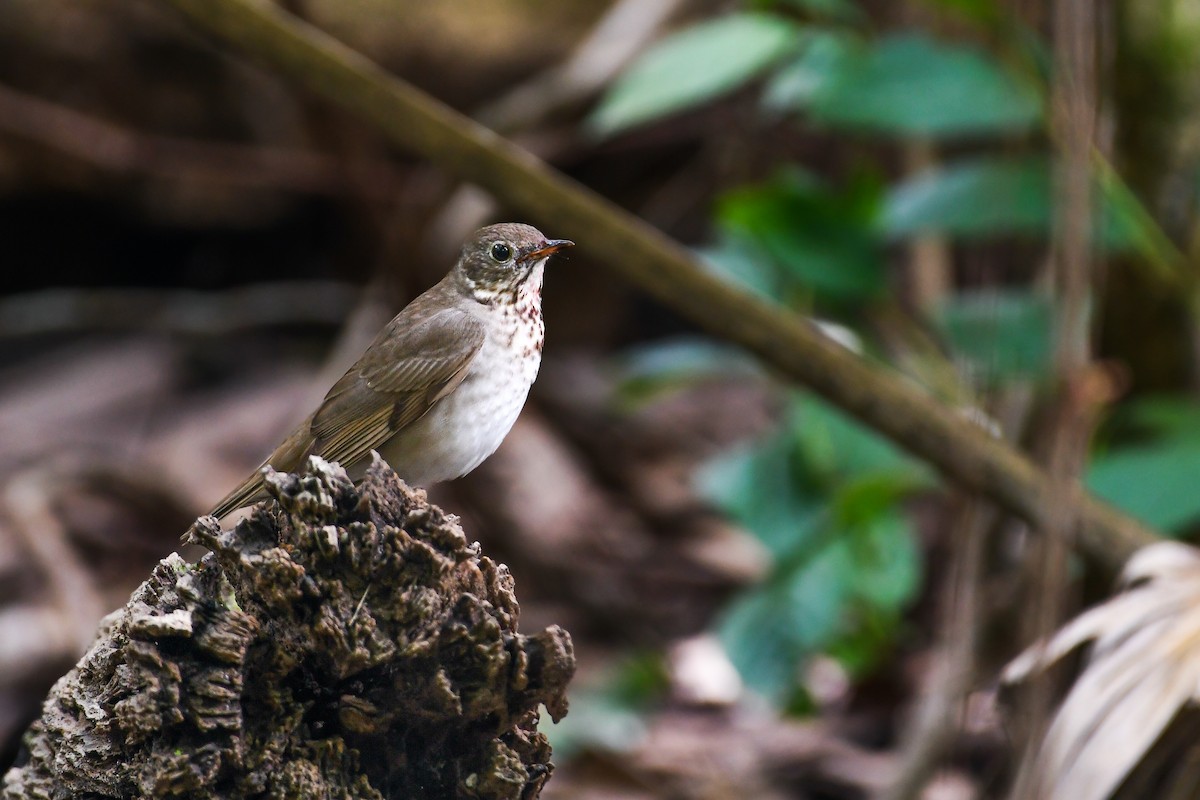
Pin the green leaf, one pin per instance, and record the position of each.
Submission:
(1004, 333)
(864, 499)
(684, 355)
(596, 722)
(798, 82)
(1149, 473)
(694, 66)
(865, 648)
(820, 462)
(826, 497)
(854, 582)
(988, 197)
(759, 641)
(974, 198)
(835, 447)
(759, 487)
(836, 10)
(887, 563)
(1162, 416)
(1155, 483)
(639, 680)
(1129, 226)
(738, 260)
(609, 715)
(913, 85)
(818, 239)
(981, 12)
(646, 371)
(769, 632)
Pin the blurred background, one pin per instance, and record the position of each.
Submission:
(767, 599)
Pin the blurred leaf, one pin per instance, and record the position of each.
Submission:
(864, 648)
(1004, 333)
(972, 198)
(693, 66)
(759, 641)
(746, 265)
(647, 370)
(819, 239)
(837, 10)
(759, 488)
(797, 83)
(1155, 483)
(685, 354)
(1172, 416)
(821, 462)
(858, 576)
(983, 12)
(609, 716)
(887, 562)
(835, 446)
(825, 496)
(768, 633)
(639, 680)
(865, 498)
(988, 197)
(913, 85)
(1134, 228)
(594, 722)
(816, 592)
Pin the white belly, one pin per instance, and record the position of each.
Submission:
(464, 428)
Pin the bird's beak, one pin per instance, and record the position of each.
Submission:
(548, 248)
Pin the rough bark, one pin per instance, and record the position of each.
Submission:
(340, 642)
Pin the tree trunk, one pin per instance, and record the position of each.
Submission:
(341, 642)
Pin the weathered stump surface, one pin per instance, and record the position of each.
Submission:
(339, 643)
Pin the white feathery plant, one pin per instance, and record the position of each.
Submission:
(1142, 670)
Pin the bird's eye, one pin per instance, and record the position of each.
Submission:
(501, 252)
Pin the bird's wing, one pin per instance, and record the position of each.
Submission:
(404, 372)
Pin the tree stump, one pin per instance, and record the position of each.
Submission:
(340, 642)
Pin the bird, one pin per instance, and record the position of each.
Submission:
(441, 385)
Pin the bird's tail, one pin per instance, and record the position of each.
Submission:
(288, 457)
(250, 490)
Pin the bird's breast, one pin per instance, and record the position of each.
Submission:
(466, 426)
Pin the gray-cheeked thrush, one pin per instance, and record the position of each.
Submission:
(442, 384)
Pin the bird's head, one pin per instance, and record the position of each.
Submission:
(500, 259)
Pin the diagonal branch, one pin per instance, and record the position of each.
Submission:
(663, 268)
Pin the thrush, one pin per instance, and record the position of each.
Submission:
(439, 388)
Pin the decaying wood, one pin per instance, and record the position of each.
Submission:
(340, 642)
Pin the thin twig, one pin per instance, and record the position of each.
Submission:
(182, 311)
(934, 725)
(27, 503)
(1074, 410)
(665, 269)
(358, 607)
(930, 267)
(113, 147)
